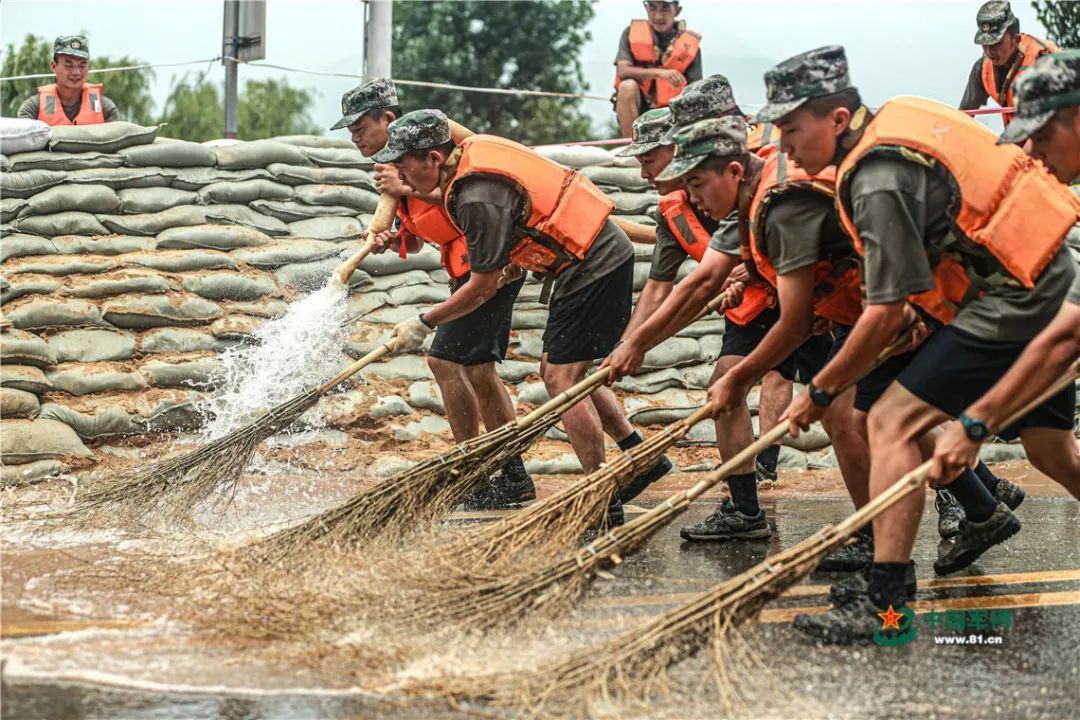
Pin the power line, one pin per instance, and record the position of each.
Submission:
(122, 68)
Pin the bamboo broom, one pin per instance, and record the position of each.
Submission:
(645, 653)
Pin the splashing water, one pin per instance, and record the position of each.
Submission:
(293, 353)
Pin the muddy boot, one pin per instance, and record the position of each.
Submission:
(976, 538)
(615, 514)
(662, 467)
(853, 622)
(949, 514)
(1009, 493)
(849, 558)
(728, 523)
(850, 587)
(765, 464)
(511, 487)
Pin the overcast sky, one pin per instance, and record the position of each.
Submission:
(909, 47)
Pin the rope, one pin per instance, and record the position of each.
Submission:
(122, 68)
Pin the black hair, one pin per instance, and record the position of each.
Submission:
(1014, 27)
(717, 163)
(849, 98)
(376, 113)
(445, 148)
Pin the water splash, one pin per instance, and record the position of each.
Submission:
(292, 353)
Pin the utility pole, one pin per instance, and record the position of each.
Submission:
(378, 24)
(243, 38)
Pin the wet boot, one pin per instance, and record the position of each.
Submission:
(849, 588)
(849, 558)
(976, 538)
(1009, 493)
(662, 467)
(853, 622)
(949, 514)
(728, 523)
(615, 514)
(511, 487)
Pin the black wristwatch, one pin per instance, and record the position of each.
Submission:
(976, 430)
(818, 396)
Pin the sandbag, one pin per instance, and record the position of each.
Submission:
(263, 307)
(335, 229)
(67, 198)
(44, 312)
(182, 260)
(244, 192)
(173, 154)
(674, 352)
(22, 245)
(201, 373)
(217, 237)
(339, 157)
(22, 135)
(61, 265)
(11, 207)
(19, 347)
(25, 441)
(97, 345)
(24, 377)
(311, 275)
(86, 379)
(179, 340)
(102, 245)
(31, 472)
(148, 224)
(159, 311)
(633, 203)
(224, 285)
(117, 283)
(243, 215)
(316, 141)
(628, 178)
(357, 198)
(576, 156)
(65, 162)
(152, 200)
(106, 137)
(29, 182)
(197, 177)
(21, 285)
(104, 422)
(293, 175)
(283, 253)
(235, 327)
(290, 211)
(258, 154)
(15, 403)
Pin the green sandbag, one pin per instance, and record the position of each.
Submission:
(26, 441)
(62, 223)
(292, 175)
(19, 347)
(64, 198)
(23, 245)
(196, 177)
(316, 141)
(357, 198)
(154, 223)
(339, 157)
(10, 208)
(243, 215)
(217, 237)
(289, 211)
(258, 154)
(123, 177)
(107, 137)
(156, 199)
(244, 192)
(29, 182)
(151, 311)
(172, 154)
(64, 162)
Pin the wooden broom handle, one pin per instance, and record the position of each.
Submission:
(374, 356)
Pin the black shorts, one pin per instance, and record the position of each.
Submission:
(873, 386)
(585, 325)
(483, 335)
(954, 368)
(645, 104)
(805, 362)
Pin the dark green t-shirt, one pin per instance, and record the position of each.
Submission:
(802, 228)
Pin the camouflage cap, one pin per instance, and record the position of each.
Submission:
(695, 143)
(71, 45)
(378, 93)
(993, 19)
(811, 74)
(709, 97)
(1052, 83)
(417, 130)
(647, 132)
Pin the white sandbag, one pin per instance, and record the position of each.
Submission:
(419, 295)
(348, 157)
(85, 379)
(182, 260)
(106, 137)
(19, 347)
(258, 154)
(244, 192)
(94, 345)
(129, 280)
(22, 245)
(29, 182)
(243, 215)
(151, 311)
(123, 177)
(627, 178)
(15, 403)
(294, 175)
(24, 377)
(65, 162)
(217, 237)
(309, 275)
(61, 265)
(31, 472)
(172, 154)
(25, 441)
(21, 285)
(357, 198)
(102, 244)
(283, 253)
(151, 200)
(290, 211)
(20, 135)
(149, 224)
(67, 198)
(45, 312)
(196, 177)
(674, 352)
(224, 285)
(576, 156)
(335, 229)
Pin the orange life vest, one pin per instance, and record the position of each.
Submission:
(837, 285)
(430, 222)
(564, 212)
(1031, 49)
(91, 111)
(1010, 211)
(762, 136)
(679, 55)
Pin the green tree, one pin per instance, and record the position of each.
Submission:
(129, 90)
(522, 44)
(267, 108)
(1061, 19)
(193, 111)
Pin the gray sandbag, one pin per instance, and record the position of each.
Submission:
(235, 328)
(711, 324)
(4, 164)
(419, 295)
(182, 260)
(109, 421)
(21, 285)
(283, 253)
(15, 403)
(11, 207)
(309, 275)
(61, 265)
(390, 263)
(45, 312)
(86, 379)
(576, 156)
(515, 370)
(19, 347)
(258, 154)
(201, 373)
(263, 307)
(243, 215)
(244, 192)
(674, 352)
(649, 383)
(530, 345)
(153, 223)
(426, 396)
(696, 377)
(64, 198)
(94, 345)
(107, 137)
(529, 318)
(633, 203)
(224, 285)
(180, 340)
(31, 472)
(152, 200)
(29, 182)
(402, 367)
(197, 177)
(173, 154)
(27, 441)
(290, 211)
(216, 237)
(335, 229)
(408, 278)
(22, 245)
(102, 244)
(293, 175)
(622, 178)
(62, 223)
(117, 283)
(64, 162)
(137, 312)
(338, 157)
(123, 177)
(357, 198)
(24, 377)
(316, 141)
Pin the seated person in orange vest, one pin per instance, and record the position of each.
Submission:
(463, 352)
(970, 233)
(70, 100)
(1006, 53)
(515, 207)
(656, 59)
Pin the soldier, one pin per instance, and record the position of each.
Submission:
(70, 100)
(1047, 113)
(463, 352)
(515, 207)
(972, 236)
(657, 57)
(1006, 53)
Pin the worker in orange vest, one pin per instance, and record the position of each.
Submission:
(70, 100)
(657, 57)
(1007, 52)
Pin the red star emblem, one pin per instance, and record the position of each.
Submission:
(890, 619)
